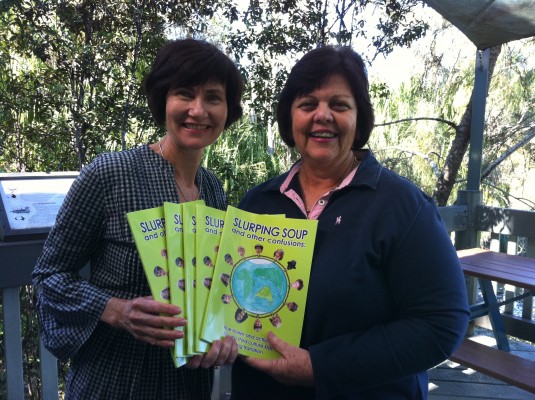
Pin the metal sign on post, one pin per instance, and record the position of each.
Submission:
(30, 202)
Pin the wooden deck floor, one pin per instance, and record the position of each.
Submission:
(447, 381)
(451, 381)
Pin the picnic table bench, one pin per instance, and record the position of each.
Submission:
(488, 266)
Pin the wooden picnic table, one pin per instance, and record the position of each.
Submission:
(515, 270)
(488, 266)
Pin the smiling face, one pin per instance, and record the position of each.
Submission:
(324, 122)
(195, 116)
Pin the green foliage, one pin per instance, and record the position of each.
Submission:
(417, 122)
(244, 157)
(71, 72)
(274, 34)
(395, 30)
(510, 118)
(71, 77)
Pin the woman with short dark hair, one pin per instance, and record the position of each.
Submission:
(117, 337)
(386, 296)
(312, 73)
(204, 63)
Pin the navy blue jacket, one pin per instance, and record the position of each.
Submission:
(386, 298)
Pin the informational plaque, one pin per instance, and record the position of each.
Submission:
(30, 202)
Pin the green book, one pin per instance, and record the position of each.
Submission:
(175, 263)
(210, 222)
(148, 229)
(260, 281)
(189, 211)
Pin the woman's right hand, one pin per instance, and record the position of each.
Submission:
(146, 319)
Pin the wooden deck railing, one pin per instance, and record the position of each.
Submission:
(505, 226)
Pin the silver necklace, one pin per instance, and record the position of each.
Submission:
(176, 181)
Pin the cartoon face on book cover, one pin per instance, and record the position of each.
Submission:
(260, 281)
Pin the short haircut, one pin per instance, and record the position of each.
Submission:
(311, 71)
(189, 63)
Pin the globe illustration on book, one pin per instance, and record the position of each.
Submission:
(259, 285)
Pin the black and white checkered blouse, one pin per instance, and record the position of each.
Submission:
(91, 225)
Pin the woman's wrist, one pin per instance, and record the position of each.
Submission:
(112, 312)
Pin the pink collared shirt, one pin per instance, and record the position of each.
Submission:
(318, 207)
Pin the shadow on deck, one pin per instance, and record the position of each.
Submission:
(450, 380)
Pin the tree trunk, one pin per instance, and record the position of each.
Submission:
(460, 143)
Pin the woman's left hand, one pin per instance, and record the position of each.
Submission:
(294, 367)
(221, 352)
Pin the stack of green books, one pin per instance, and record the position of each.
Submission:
(232, 273)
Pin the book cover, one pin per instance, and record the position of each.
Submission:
(189, 211)
(210, 222)
(175, 265)
(260, 281)
(148, 228)
(149, 231)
